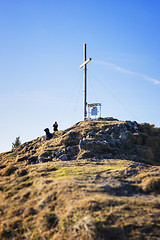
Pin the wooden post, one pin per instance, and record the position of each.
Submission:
(85, 85)
(84, 66)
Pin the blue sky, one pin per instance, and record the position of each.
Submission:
(41, 49)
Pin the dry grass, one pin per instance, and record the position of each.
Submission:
(85, 198)
(151, 184)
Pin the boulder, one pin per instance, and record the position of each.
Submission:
(91, 135)
(72, 150)
(21, 158)
(94, 146)
(125, 135)
(110, 119)
(59, 153)
(43, 160)
(63, 157)
(131, 125)
(32, 159)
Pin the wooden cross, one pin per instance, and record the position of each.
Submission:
(83, 65)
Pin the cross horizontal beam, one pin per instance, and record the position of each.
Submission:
(94, 104)
(87, 61)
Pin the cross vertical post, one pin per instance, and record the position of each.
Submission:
(85, 84)
(85, 81)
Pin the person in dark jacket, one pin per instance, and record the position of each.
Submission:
(55, 126)
(48, 134)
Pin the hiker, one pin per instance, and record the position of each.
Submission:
(48, 134)
(55, 126)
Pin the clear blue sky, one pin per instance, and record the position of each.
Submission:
(41, 49)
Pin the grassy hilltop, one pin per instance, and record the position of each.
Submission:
(100, 179)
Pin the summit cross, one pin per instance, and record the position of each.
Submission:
(83, 65)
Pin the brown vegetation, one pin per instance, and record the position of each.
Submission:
(97, 180)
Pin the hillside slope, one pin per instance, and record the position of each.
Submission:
(97, 180)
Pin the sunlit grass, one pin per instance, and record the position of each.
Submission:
(83, 170)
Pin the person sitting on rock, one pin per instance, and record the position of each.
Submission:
(55, 126)
(48, 134)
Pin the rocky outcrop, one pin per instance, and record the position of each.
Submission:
(105, 138)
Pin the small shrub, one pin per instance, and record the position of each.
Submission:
(85, 227)
(21, 172)
(9, 170)
(151, 184)
(30, 211)
(48, 220)
(16, 143)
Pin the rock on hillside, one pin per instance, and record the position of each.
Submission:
(98, 139)
(97, 176)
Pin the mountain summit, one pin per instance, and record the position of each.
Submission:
(98, 179)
